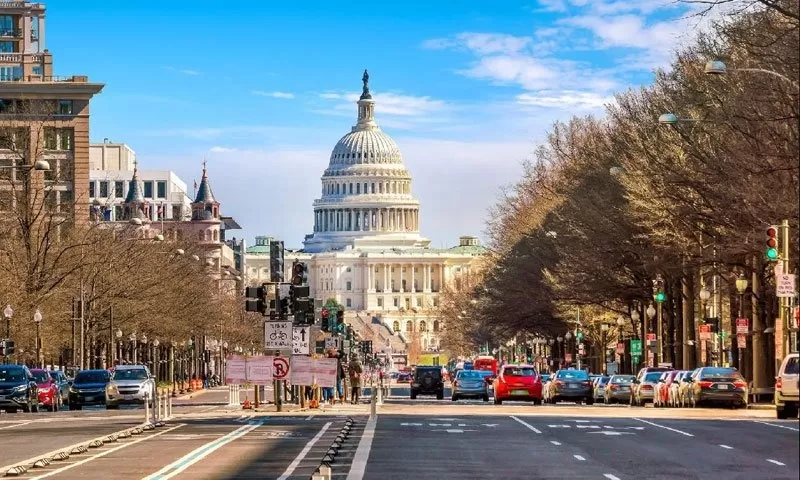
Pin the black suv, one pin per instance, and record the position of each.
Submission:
(427, 381)
(18, 389)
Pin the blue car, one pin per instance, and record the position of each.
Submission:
(89, 388)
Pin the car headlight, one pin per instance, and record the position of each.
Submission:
(111, 387)
(72, 390)
(20, 388)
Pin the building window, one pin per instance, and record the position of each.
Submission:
(349, 286)
(6, 47)
(423, 327)
(436, 325)
(419, 301)
(104, 189)
(64, 107)
(65, 202)
(409, 326)
(380, 301)
(176, 212)
(348, 270)
(118, 189)
(161, 189)
(91, 190)
(358, 188)
(348, 303)
(148, 189)
(396, 326)
(396, 301)
(65, 137)
(50, 140)
(58, 138)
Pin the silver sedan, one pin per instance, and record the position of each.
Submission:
(470, 384)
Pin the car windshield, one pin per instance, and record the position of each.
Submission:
(41, 376)
(623, 379)
(602, 380)
(519, 372)
(576, 374)
(91, 377)
(130, 374)
(12, 374)
(652, 377)
(469, 375)
(482, 373)
(792, 367)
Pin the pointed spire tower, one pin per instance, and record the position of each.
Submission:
(135, 205)
(205, 207)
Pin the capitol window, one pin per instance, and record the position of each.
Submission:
(348, 303)
(396, 326)
(349, 287)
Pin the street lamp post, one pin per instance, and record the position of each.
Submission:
(741, 287)
(8, 312)
(132, 338)
(620, 326)
(603, 345)
(636, 334)
(705, 295)
(172, 346)
(37, 319)
(118, 344)
(155, 359)
(651, 313)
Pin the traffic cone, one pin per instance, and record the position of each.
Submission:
(247, 405)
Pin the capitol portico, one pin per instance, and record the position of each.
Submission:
(366, 250)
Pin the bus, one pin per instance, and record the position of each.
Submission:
(485, 362)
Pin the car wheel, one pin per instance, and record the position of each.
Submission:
(589, 401)
(486, 398)
(74, 407)
(537, 401)
(413, 395)
(26, 408)
(454, 398)
(440, 395)
(781, 413)
(112, 406)
(498, 401)
(11, 410)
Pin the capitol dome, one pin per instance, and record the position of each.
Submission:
(366, 191)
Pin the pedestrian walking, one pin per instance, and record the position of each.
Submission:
(355, 371)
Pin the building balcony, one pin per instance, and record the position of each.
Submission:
(11, 33)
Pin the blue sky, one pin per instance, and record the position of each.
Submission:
(263, 91)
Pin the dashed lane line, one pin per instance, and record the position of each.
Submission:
(554, 442)
(776, 462)
(300, 456)
(778, 426)
(526, 424)
(15, 425)
(579, 458)
(106, 452)
(726, 447)
(665, 427)
(610, 476)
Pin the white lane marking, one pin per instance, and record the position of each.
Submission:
(779, 426)
(665, 427)
(610, 476)
(528, 425)
(578, 457)
(309, 417)
(554, 442)
(300, 456)
(776, 462)
(359, 465)
(16, 425)
(201, 452)
(106, 452)
(726, 447)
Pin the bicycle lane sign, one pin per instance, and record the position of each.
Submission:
(278, 335)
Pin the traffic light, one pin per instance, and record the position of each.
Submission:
(528, 354)
(772, 244)
(299, 273)
(276, 261)
(9, 347)
(325, 317)
(256, 299)
(340, 321)
(658, 290)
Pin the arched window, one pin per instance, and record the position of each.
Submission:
(409, 326)
(396, 326)
(215, 235)
(423, 327)
(436, 325)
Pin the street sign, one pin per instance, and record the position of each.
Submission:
(332, 342)
(705, 332)
(301, 340)
(785, 285)
(651, 337)
(278, 335)
(636, 348)
(741, 341)
(742, 326)
(280, 367)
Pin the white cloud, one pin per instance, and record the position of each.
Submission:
(565, 99)
(185, 71)
(552, 5)
(217, 149)
(282, 95)
(526, 71)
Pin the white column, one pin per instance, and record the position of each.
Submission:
(413, 277)
(370, 275)
(387, 284)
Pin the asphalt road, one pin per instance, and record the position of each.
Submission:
(527, 447)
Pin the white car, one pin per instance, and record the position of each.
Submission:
(787, 387)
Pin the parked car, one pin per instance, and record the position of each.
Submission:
(62, 383)
(661, 393)
(49, 396)
(618, 389)
(18, 390)
(599, 387)
(130, 384)
(644, 385)
(571, 385)
(427, 380)
(787, 387)
(469, 384)
(518, 382)
(89, 388)
(719, 385)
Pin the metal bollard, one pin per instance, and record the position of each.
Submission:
(157, 401)
(326, 472)
(373, 404)
(169, 406)
(380, 394)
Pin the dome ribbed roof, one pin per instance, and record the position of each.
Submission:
(368, 146)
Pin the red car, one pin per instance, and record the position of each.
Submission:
(518, 382)
(49, 396)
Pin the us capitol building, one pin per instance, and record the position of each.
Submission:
(366, 250)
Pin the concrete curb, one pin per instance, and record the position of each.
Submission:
(760, 407)
(63, 453)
